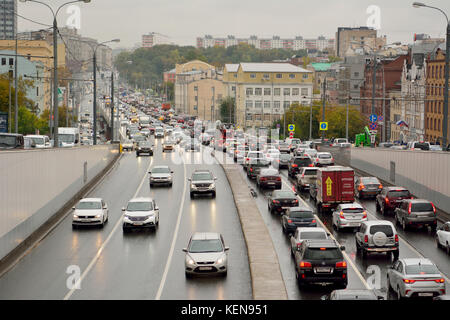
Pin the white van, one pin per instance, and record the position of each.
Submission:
(68, 137)
(40, 142)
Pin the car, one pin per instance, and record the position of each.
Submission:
(253, 155)
(353, 294)
(202, 182)
(293, 143)
(418, 145)
(282, 161)
(161, 175)
(416, 212)
(323, 159)
(159, 132)
(240, 152)
(206, 253)
(320, 261)
(40, 141)
(140, 213)
(145, 132)
(168, 130)
(90, 211)
(137, 138)
(168, 145)
(312, 153)
(348, 215)
(442, 297)
(254, 167)
(377, 236)
(415, 277)
(268, 178)
(305, 177)
(284, 147)
(144, 147)
(296, 163)
(272, 154)
(390, 198)
(300, 149)
(435, 147)
(280, 200)
(128, 145)
(297, 217)
(306, 233)
(366, 187)
(442, 237)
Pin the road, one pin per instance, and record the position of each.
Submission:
(140, 265)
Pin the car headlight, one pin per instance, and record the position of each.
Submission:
(221, 260)
(193, 186)
(98, 216)
(75, 216)
(190, 261)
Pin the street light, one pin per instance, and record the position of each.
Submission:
(55, 64)
(446, 72)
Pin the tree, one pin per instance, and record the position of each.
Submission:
(227, 110)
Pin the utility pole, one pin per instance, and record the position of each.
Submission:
(16, 90)
(323, 105)
(446, 71)
(346, 119)
(374, 80)
(95, 100)
(112, 105)
(10, 75)
(310, 120)
(55, 83)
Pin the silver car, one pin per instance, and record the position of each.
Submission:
(90, 211)
(202, 182)
(323, 159)
(377, 236)
(306, 233)
(206, 253)
(414, 277)
(161, 175)
(349, 215)
(140, 213)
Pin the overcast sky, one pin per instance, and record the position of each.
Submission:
(184, 20)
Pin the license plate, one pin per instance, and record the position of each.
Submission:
(354, 224)
(425, 294)
(138, 223)
(271, 183)
(205, 268)
(323, 270)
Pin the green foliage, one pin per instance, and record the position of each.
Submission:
(227, 110)
(149, 64)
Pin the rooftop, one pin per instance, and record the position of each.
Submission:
(272, 67)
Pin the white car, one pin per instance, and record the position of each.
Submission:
(90, 211)
(312, 153)
(272, 154)
(443, 237)
(253, 155)
(349, 215)
(306, 233)
(140, 213)
(323, 159)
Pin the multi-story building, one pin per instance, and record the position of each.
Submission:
(435, 81)
(169, 76)
(347, 37)
(397, 132)
(276, 42)
(263, 91)
(388, 78)
(153, 39)
(198, 90)
(8, 19)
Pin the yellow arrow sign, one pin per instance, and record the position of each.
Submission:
(329, 182)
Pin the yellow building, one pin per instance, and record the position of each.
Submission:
(263, 91)
(39, 50)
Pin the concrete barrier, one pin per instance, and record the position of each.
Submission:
(36, 184)
(267, 281)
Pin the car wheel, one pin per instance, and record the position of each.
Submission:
(377, 206)
(125, 230)
(214, 194)
(390, 289)
(192, 195)
(448, 249)
(283, 228)
(433, 229)
(396, 221)
(436, 239)
(404, 226)
(382, 210)
(358, 248)
(188, 275)
(170, 184)
(363, 253)
(399, 295)
(74, 227)
(224, 274)
(395, 255)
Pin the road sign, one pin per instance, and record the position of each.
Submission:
(324, 126)
(373, 132)
(291, 127)
(373, 126)
(3, 122)
(373, 117)
(372, 139)
(329, 184)
(291, 134)
(380, 118)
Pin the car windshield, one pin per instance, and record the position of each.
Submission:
(421, 269)
(160, 170)
(301, 214)
(269, 172)
(324, 156)
(285, 156)
(38, 141)
(399, 194)
(386, 229)
(145, 144)
(201, 176)
(283, 194)
(313, 235)
(66, 137)
(310, 172)
(353, 210)
(370, 180)
(320, 254)
(139, 138)
(89, 205)
(421, 207)
(254, 155)
(140, 206)
(302, 162)
(198, 246)
(7, 140)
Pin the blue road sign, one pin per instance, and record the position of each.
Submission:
(373, 117)
(324, 126)
(291, 127)
(3, 122)
(373, 126)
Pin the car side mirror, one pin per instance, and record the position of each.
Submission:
(189, 179)
(105, 207)
(171, 171)
(227, 248)
(123, 209)
(184, 249)
(156, 208)
(342, 248)
(73, 208)
(215, 178)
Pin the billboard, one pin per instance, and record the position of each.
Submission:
(3, 122)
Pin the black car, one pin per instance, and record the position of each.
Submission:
(255, 166)
(320, 261)
(268, 178)
(282, 161)
(367, 187)
(296, 217)
(281, 200)
(297, 162)
(144, 147)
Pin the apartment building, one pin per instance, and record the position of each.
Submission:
(8, 19)
(348, 38)
(153, 39)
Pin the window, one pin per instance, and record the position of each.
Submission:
(305, 76)
(267, 91)
(266, 76)
(252, 75)
(291, 76)
(258, 104)
(3, 61)
(279, 76)
(276, 91)
(305, 92)
(249, 91)
(11, 61)
(249, 103)
(195, 88)
(286, 104)
(258, 91)
(196, 98)
(295, 91)
(235, 75)
(266, 104)
(287, 91)
(277, 104)
(356, 74)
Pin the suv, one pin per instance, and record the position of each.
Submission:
(348, 215)
(140, 213)
(202, 182)
(419, 212)
(144, 147)
(377, 236)
(296, 163)
(254, 167)
(390, 198)
(259, 155)
(281, 200)
(305, 177)
(323, 159)
(413, 145)
(307, 233)
(367, 187)
(320, 261)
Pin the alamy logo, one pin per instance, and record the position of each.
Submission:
(73, 281)
(74, 19)
(374, 18)
(374, 281)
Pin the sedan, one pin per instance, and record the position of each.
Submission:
(443, 237)
(281, 200)
(140, 213)
(367, 187)
(297, 217)
(161, 175)
(349, 215)
(206, 253)
(268, 178)
(282, 161)
(90, 211)
(415, 277)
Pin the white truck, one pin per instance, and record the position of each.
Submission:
(68, 137)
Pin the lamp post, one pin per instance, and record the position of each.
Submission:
(55, 64)
(446, 72)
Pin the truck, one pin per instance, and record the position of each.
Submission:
(363, 139)
(334, 185)
(165, 106)
(68, 137)
(144, 121)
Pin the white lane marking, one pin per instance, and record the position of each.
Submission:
(174, 240)
(99, 252)
(350, 261)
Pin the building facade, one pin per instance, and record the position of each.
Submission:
(263, 91)
(169, 76)
(153, 39)
(8, 19)
(347, 37)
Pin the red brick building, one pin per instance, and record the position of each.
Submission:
(388, 79)
(169, 76)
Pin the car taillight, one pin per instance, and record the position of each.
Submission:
(364, 214)
(305, 264)
(313, 221)
(294, 165)
(366, 239)
(332, 159)
(251, 169)
(409, 208)
(341, 264)
(278, 178)
(311, 165)
(317, 159)
(409, 281)
(361, 186)
(396, 238)
(263, 179)
(296, 201)
(442, 280)
(386, 200)
(380, 186)
(434, 208)
(341, 214)
(247, 159)
(289, 221)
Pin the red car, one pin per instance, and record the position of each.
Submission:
(390, 198)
